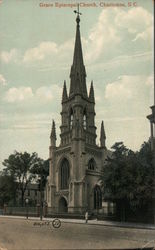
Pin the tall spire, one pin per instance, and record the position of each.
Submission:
(64, 93)
(91, 93)
(102, 135)
(53, 134)
(78, 73)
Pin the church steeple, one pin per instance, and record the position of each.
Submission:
(78, 110)
(78, 72)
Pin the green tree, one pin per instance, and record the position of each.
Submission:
(20, 166)
(128, 177)
(41, 170)
(8, 189)
(145, 174)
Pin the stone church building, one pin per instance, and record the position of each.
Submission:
(76, 165)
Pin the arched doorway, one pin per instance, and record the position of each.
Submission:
(63, 207)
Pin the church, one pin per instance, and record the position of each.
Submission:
(76, 166)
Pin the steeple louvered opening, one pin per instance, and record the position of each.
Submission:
(85, 119)
(71, 119)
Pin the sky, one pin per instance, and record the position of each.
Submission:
(36, 53)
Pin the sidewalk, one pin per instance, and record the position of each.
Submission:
(91, 222)
(112, 223)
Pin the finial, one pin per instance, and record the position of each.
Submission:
(78, 14)
(53, 132)
(91, 93)
(102, 135)
(64, 93)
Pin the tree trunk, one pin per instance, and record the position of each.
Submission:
(22, 200)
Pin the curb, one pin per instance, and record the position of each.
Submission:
(112, 225)
(96, 223)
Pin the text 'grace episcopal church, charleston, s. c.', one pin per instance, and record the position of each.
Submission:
(76, 167)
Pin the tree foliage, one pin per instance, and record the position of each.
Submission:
(8, 189)
(129, 176)
(23, 168)
(42, 171)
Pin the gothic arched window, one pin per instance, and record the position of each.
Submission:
(91, 164)
(97, 197)
(71, 118)
(64, 174)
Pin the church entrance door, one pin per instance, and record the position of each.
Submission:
(63, 207)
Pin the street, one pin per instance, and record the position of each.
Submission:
(28, 234)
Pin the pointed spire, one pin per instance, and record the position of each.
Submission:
(91, 93)
(64, 93)
(102, 135)
(53, 134)
(78, 73)
(78, 55)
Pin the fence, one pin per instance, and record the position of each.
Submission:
(102, 214)
(1, 211)
(21, 211)
(45, 211)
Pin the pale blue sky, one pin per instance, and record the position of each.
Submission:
(36, 51)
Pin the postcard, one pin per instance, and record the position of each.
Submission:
(76, 84)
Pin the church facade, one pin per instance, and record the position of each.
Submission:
(76, 166)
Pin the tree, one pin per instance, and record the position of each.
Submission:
(8, 189)
(128, 177)
(145, 174)
(42, 171)
(117, 176)
(20, 166)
